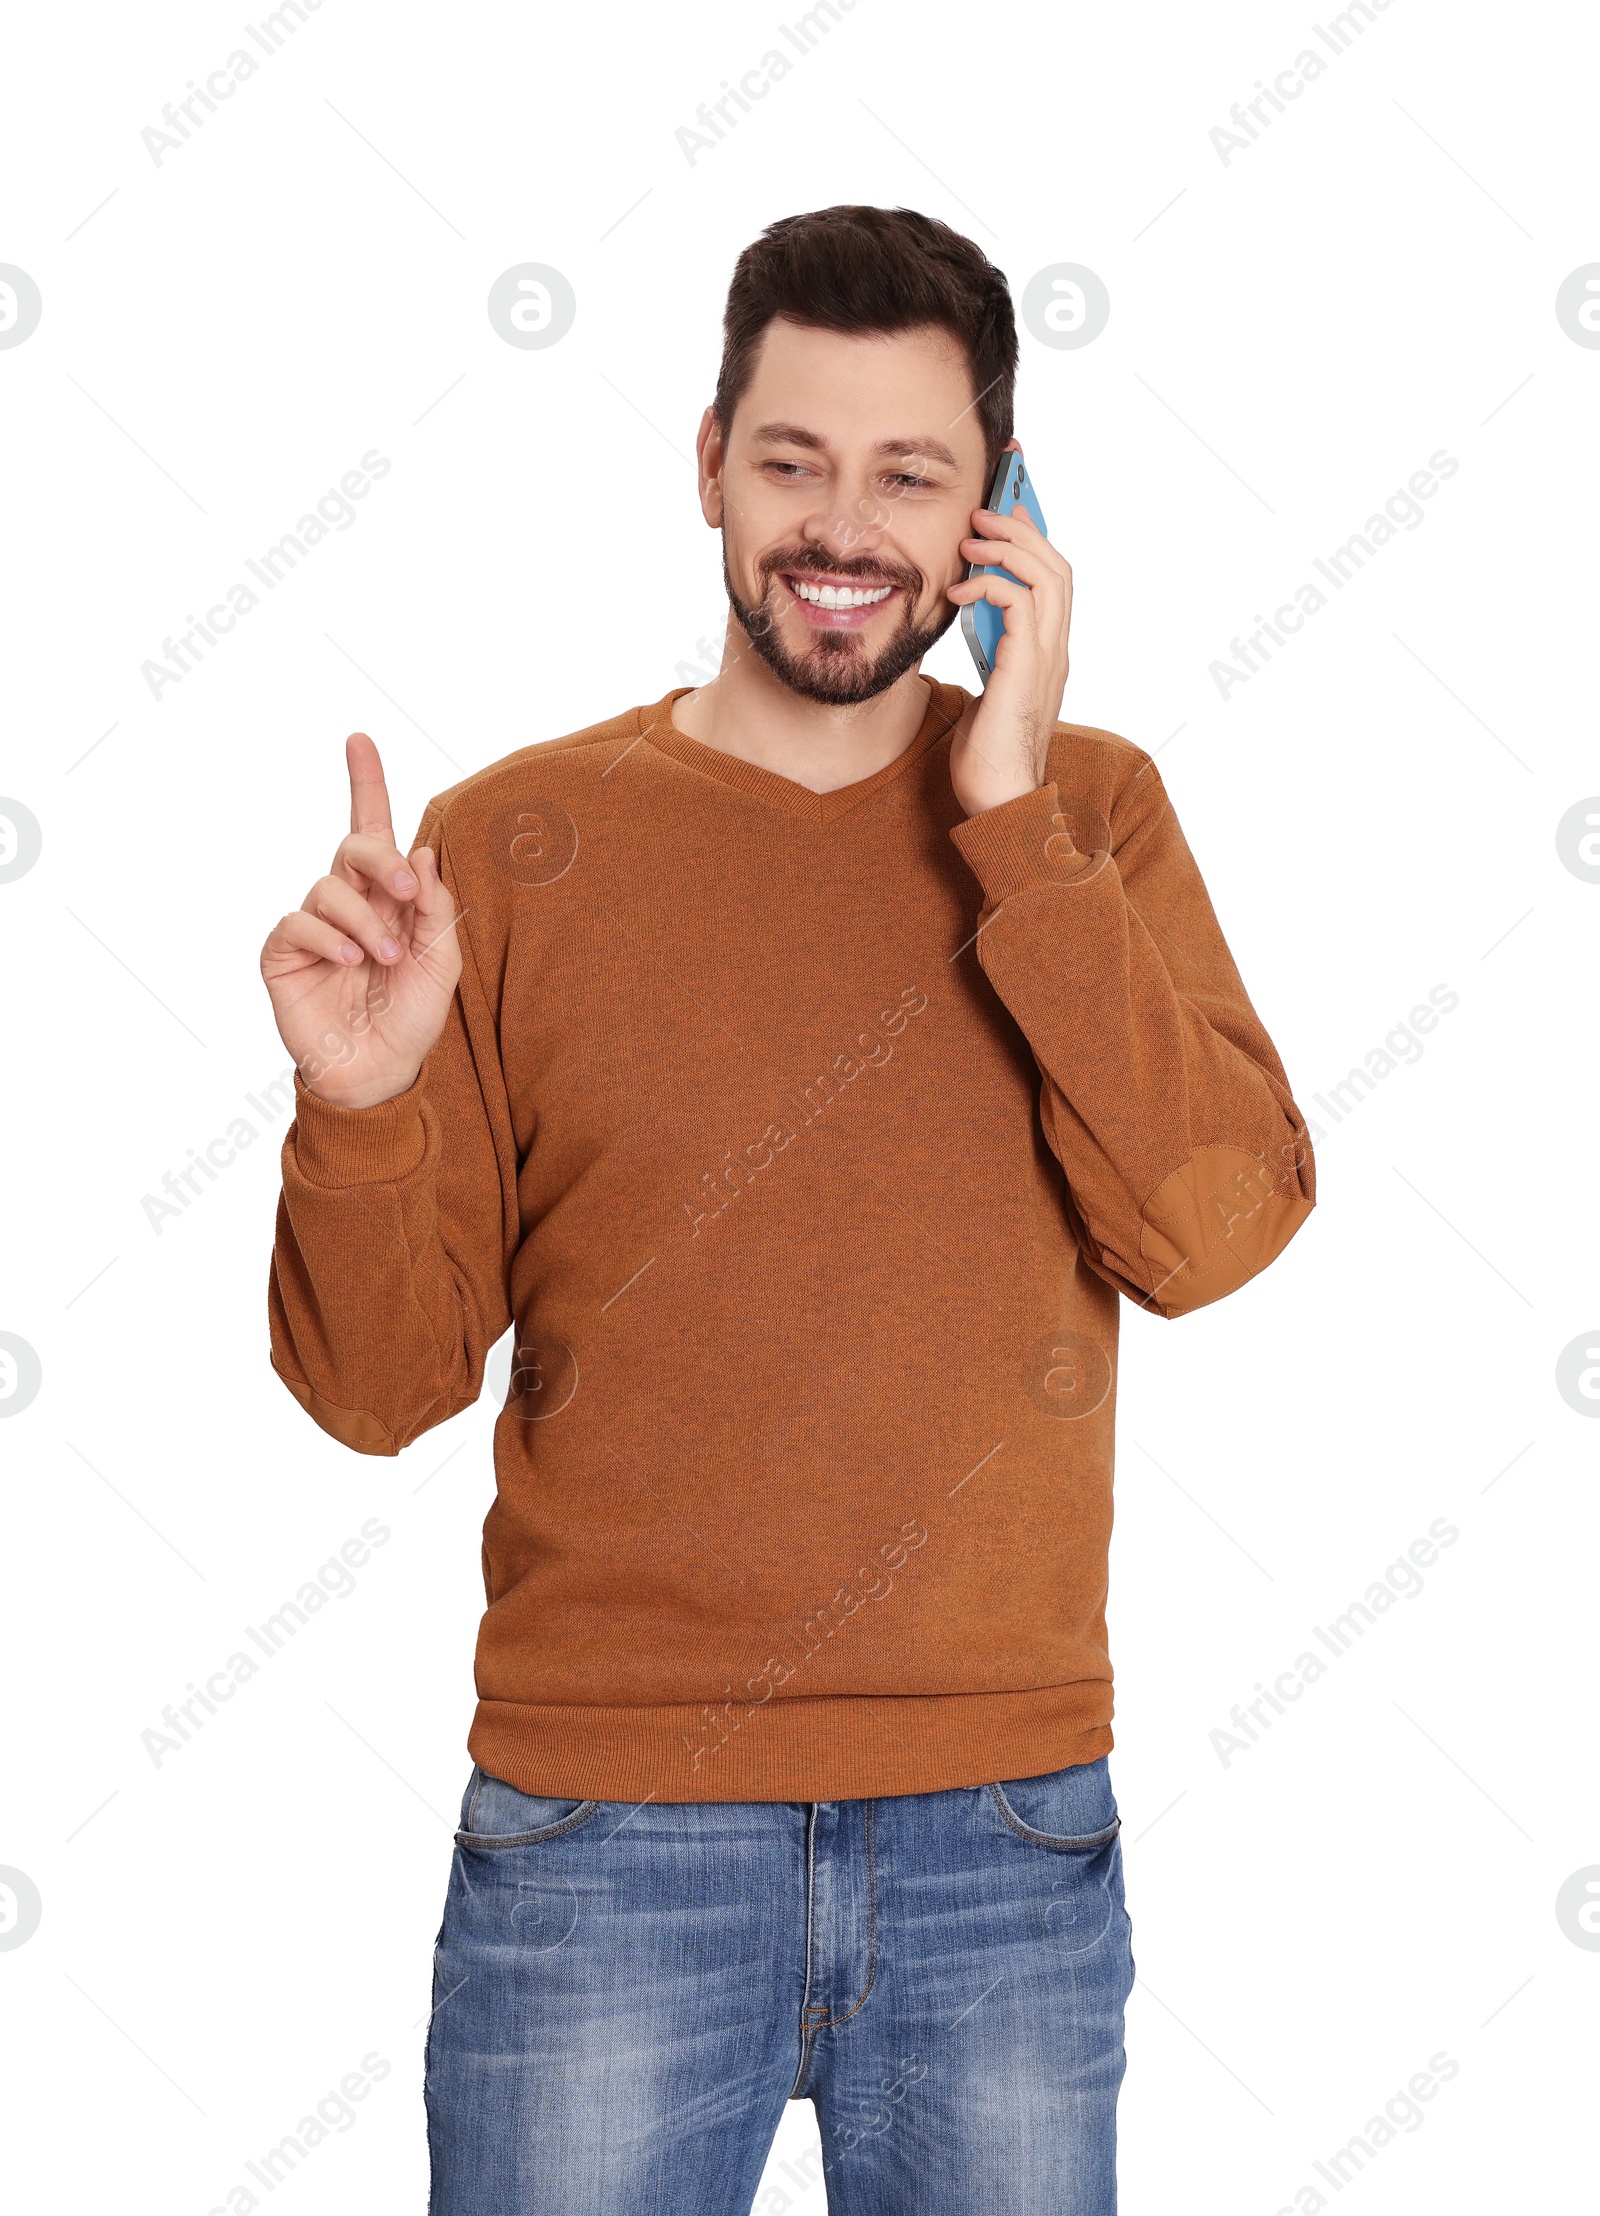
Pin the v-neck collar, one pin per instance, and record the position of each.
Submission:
(945, 705)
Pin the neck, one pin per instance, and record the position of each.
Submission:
(749, 712)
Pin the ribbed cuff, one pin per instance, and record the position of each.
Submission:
(357, 1146)
(1021, 843)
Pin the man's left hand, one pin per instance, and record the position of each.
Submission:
(998, 749)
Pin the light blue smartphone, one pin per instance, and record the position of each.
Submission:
(983, 625)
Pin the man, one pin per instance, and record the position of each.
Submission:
(804, 1064)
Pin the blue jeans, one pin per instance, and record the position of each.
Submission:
(625, 1997)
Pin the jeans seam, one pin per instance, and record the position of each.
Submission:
(872, 1928)
(807, 2031)
(825, 2021)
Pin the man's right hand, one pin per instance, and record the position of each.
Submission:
(362, 973)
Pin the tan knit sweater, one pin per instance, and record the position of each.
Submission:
(810, 1141)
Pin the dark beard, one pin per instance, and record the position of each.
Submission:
(836, 670)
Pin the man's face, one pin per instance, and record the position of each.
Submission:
(844, 485)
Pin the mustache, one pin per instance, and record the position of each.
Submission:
(807, 560)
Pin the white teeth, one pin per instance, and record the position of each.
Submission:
(841, 596)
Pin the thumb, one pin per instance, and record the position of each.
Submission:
(433, 904)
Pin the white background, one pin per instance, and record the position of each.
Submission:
(1292, 334)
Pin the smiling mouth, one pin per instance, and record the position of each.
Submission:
(837, 603)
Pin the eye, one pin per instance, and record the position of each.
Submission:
(788, 470)
(905, 478)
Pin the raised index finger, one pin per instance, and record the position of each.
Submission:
(369, 795)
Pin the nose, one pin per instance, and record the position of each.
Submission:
(857, 528)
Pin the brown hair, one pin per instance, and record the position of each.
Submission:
(873, 269)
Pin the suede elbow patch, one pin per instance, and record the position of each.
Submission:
(352, 1427)
(1214, 1224)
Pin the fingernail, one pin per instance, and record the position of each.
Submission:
(404, 882)
(389, 949)
(349, 953)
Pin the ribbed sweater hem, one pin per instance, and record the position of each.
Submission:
(855, 1747)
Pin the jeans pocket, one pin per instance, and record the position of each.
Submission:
(495, 1814)
(1071, 1811)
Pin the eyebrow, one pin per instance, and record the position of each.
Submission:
(795, 434)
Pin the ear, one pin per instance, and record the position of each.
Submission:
(710, 457)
